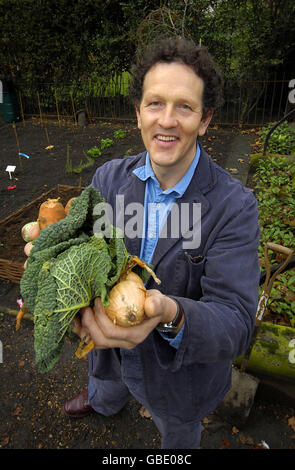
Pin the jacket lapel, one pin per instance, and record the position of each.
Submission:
(203, 181)
(129, 207)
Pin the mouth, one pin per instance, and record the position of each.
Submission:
(166, 139)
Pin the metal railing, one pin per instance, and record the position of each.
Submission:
(253, 103)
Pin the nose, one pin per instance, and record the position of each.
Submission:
(167, 118)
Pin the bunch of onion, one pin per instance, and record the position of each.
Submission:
(126, 298)
(126, 301)
(50, 211)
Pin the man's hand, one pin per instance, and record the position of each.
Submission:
(93, 323)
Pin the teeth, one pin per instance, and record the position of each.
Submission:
(166, 138)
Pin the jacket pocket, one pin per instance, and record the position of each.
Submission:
(189, 271)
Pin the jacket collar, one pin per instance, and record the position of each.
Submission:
(203, 181)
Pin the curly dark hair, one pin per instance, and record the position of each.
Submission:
(184, 51)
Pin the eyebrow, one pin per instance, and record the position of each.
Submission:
(150, 96)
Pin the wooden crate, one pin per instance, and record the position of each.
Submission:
(12, 270)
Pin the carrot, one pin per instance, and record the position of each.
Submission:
(68, 205)
(50, 211)
(22, 311)
(19, 317)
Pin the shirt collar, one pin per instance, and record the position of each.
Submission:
(145, 172)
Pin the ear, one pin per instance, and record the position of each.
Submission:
(138, 116)
(205, 123)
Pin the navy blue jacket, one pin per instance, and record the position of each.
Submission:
(216, 283)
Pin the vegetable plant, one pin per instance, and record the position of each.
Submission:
(94, 152)
(69, 166)
(120, 134)
(83, 164)
(68, 267)
(106, 143)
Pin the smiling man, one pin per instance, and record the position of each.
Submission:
(177, 363)
(170, 117)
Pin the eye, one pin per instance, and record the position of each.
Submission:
(185, 107)
(154, 104)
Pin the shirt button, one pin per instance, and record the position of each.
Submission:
(151, 235)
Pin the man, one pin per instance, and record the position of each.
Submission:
(200, 233)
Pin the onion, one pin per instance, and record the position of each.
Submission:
(30, 231)
(28, 248)
(126, 301)
(131, 276)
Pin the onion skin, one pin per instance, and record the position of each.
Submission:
(126, 302)
(30, 231)
(131, 276)
(28, 248)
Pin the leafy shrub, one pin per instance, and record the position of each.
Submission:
(105, 143)
(94, 152)
(120, 134)
(275, 177)
(282, 139)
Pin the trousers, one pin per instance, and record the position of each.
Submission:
(108, 397)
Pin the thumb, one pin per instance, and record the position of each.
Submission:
(152, 305)
(87, 318)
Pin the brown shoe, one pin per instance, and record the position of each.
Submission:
(78, 406)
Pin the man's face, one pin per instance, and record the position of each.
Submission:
(170, 115)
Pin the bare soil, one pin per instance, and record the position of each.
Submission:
(31, 404)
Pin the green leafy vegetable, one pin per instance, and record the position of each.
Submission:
(67, 268)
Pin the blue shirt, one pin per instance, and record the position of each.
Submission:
(157, 205)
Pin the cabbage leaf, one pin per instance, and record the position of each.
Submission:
(67, 269)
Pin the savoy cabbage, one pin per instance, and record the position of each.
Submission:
(67, 268)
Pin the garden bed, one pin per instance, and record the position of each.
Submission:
(47, 168)
(12, 256)
(31, 403)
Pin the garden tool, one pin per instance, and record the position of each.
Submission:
(237, 404)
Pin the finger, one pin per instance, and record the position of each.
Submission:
(98, 307)
(77, 325)
(101, 329)
(80, 328)
(113, 333)
(153, 305)
(107, 326)
(87, 317)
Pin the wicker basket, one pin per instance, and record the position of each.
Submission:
(13, 270)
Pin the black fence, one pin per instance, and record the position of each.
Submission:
(254, 103)
(247, 103)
